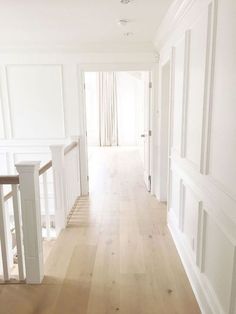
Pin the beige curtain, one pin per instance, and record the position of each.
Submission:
(108, 109)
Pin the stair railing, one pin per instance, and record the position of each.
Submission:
(21, 211)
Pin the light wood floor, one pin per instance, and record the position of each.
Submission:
(116, 256)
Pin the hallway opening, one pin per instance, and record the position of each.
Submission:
(118, 115)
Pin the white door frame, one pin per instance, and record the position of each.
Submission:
(164, 130)
(102, 67)
(166, 58)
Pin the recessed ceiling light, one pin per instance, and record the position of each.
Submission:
(122, 22)
(125, 1)
(127, 34)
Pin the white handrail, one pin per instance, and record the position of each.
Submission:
(26, 211)
(66, 174)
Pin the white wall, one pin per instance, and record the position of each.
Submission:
(200, 42)
(92, 108)
(40, 96)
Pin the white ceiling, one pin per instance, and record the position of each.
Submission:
(79, 22)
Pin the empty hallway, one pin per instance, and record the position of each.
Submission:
(115, 256)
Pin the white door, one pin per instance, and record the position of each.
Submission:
(147, 132)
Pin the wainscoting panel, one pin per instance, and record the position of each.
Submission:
(202, 195)
(195, 100)
(36, 103)
(222, 150)
(175, 189)
(218, 262)
(190, 217)
(178, 93)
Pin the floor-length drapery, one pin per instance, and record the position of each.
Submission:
(108, 109)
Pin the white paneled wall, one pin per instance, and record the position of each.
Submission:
(178, 94)
(196, 54)
(223, 170)
(36, 87)
(35, 95)
(40, 97)
(200, 43)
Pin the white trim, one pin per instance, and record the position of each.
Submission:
(96, 67)
(190, 268)
(82, 133)
(208, 88)
(203, 185)
(5, 104)
(144, 47)
(6, 143)
(208, 286)
(185, 93)
(175, 14)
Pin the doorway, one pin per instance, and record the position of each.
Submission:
(117, 106)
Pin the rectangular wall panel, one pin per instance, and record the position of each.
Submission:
(179, 56)
(175, 196)
(222, 165)
(36, 101)
(218, 261)
(196, 84)
(190, 220)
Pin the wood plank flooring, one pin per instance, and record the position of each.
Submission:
(116, 256)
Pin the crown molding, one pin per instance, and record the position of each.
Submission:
(83, 47)
(174, 15)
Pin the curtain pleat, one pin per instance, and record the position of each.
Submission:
(108, 109)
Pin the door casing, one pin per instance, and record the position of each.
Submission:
(81, 69)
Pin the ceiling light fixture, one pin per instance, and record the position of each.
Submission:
(122, 22)
(125, 1)
(127, 34)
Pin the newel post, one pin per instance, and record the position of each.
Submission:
(57, 152)
(31, 220)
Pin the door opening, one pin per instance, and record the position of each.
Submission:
(118, 115)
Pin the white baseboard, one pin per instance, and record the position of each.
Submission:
(191, 270)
